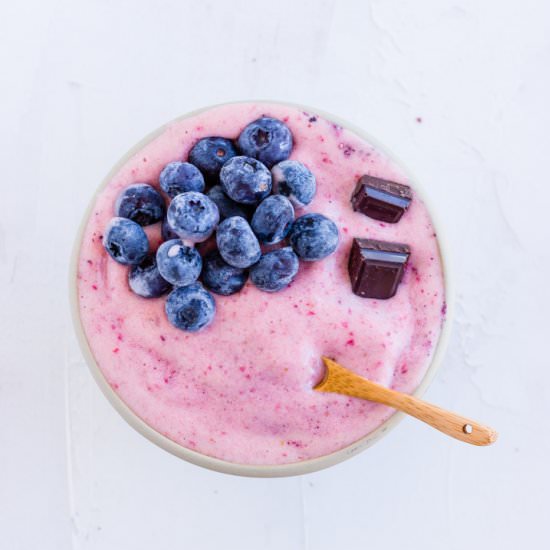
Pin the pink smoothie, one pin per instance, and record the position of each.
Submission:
(241, 390)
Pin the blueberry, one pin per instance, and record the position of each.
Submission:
(245, 180)
(266, 139)
(209, 155)
(273, 219)
(179, 177)
(275, 270)
(193, 216)
(295, 181)
(313, 237)
(226, 206)
(125, 241)
(140, 203)
(237, 243)
(167, 232)
(220, 277)
(179, 264)
(190, 307)
(146, 281)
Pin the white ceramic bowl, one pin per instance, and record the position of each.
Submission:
(278, 470)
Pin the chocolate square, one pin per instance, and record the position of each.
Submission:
(376, 267)
(380, 199)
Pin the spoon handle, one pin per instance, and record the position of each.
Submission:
(341, 380)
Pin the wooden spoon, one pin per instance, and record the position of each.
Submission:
(338, 379)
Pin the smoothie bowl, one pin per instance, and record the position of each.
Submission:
(212, 272)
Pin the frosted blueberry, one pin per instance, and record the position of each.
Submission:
(245, 180)
(179, 264)
(295, 181)
(140, 203)
(190, 308)
(267, 139)
(210, 154)
(193, 216)
(275, 270)
(273, 219)
(145, 279)
(220, 277)
(179, 177)
(237, 243)
(125, 241)
(313, 237)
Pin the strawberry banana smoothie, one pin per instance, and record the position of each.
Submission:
(213, 274)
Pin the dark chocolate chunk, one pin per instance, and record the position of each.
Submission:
(376, 267)
(381, 199)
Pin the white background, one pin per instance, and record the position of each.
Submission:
(82, 81)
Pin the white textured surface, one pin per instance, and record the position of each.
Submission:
(83, 81)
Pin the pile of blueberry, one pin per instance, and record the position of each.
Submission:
(239, 206)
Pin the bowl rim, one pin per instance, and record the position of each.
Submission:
(255, 470)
